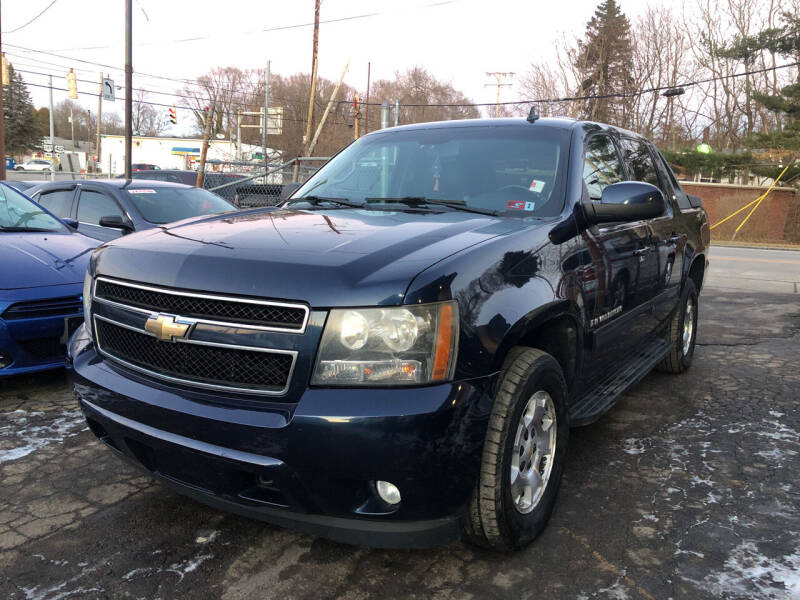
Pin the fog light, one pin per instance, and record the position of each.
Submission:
(5, 360)
(388, 492)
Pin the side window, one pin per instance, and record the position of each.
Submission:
(601, 165)
(640, 161)
(94, 205)
(58, 202)
(666, 173)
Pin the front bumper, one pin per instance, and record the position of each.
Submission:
(34, 344)
(309, 464)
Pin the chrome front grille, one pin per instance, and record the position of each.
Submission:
(203, 365)
(207, 341)
(269, 315)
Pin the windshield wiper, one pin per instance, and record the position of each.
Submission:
(422, 200)
(316, 200)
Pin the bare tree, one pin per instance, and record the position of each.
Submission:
(146, 119)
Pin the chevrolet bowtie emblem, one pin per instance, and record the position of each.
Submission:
(166, 327)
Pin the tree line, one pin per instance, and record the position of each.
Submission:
(752, 121)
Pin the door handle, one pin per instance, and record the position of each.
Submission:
(673, 239)
(642, 251)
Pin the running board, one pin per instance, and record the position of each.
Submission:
(594, 403)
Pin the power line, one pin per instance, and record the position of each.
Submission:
(200, 38)
(24, 25)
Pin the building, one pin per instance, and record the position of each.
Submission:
(175, 153)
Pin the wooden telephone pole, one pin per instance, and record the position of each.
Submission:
(499, 76)
(311, 96)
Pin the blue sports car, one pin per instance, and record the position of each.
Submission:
(42, 267)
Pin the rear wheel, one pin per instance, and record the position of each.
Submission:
(523, 455)
(682, 332)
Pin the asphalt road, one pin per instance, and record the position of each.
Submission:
(687, 489)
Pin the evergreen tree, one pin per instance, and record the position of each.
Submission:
(22, 134)
(784, 140)
(604, 61)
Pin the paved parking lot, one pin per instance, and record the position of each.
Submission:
(688, 489)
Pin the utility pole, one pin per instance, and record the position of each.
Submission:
(314, 55)
(356, 116)
(128, 85)
(99, 120)
(72, 126)
(204, 150)
(366, 115)
(499, 77)
(266, 122)
(52, 135)
(396, 112)
(2, 124)
(327, 110)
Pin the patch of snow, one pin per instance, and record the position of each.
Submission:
(26, 438)
(633, 446)
(747, 569)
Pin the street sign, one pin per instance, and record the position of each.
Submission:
(109, 91)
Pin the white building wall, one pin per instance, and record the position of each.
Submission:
(159, 151)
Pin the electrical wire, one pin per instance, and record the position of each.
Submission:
(24, 25)
(260, 31)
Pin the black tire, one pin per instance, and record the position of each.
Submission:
(680, 358)
(493, 519)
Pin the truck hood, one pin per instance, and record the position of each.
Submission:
(33, 259)
(338, 257)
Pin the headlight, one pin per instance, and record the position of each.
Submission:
(87, 302)
(403, 345)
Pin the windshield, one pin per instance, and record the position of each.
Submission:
(167, 204)
(516, 171)
(18, 213)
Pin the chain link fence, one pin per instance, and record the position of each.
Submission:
(250, 185)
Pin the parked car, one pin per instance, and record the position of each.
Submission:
(110, 208)
(144, 167)
(42, 267)
(35, 164)
(210, 180)
(396, 355)
(23, 186)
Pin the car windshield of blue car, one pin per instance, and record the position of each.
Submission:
(18, 213)
(510, 170)
(167, 204)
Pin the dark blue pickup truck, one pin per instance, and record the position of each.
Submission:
(395, 356)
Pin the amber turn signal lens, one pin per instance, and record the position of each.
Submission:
(444, 343)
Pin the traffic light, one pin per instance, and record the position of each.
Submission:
(173, 116)
(5, 69)
(72, 84)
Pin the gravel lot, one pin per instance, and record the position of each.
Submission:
(688, 489)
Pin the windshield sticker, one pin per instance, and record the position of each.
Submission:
(141, 191)
(536, 186)
(520, 205)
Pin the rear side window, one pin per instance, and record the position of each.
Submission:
(601, 165)
(640, 161)
(92, 206)
(58, 202)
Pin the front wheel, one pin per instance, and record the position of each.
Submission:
(682, 332)
(523, 454)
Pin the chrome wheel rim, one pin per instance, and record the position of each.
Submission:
(688, 326)
(533, 452)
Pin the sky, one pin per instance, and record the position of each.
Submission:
(456, 40)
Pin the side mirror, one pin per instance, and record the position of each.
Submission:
(116, 222)
(289, 189)
(71, 223)
(626, 201)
